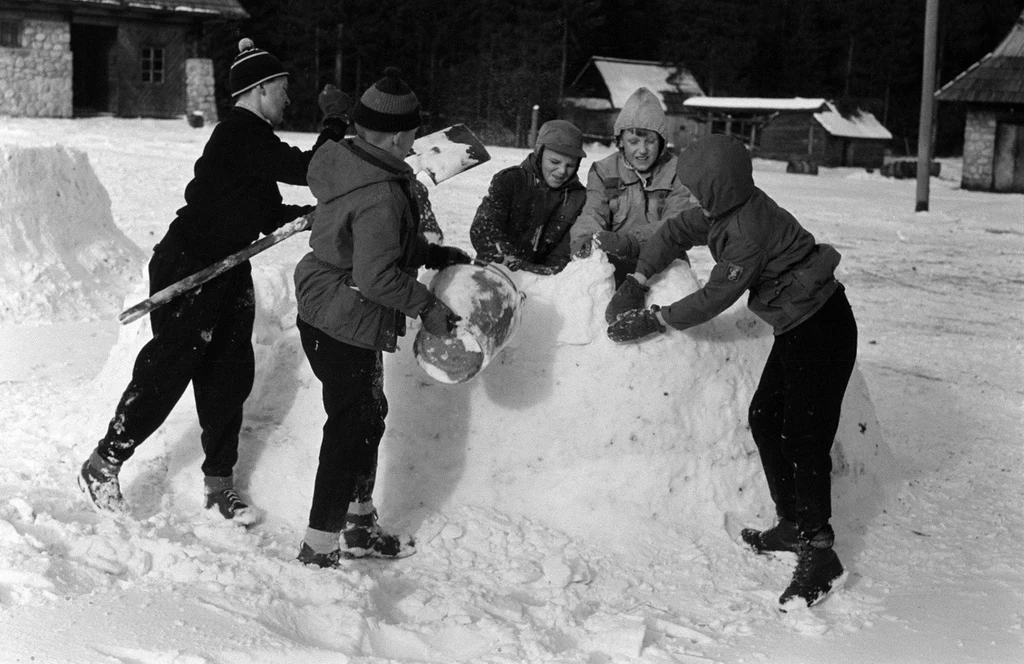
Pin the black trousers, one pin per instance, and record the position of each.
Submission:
(203, 337)
(353, 397)
(794, 414)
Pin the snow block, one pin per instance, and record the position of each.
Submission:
(64, 259)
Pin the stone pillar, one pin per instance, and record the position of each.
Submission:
(37, 76)
(199, 89)
(979, 150)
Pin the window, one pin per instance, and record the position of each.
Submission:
(10, 33)
(152, 65)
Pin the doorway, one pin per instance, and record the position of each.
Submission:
(92, 48)
(1008, 162)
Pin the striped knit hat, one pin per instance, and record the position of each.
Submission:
(251, 67)
(388, 105)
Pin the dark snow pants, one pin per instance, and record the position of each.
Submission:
(794, 414)
(353, 397)
(203, 337)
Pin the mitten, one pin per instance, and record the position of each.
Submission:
(440, 257)
(585, 249)
(334, 103)
(635, 324)
(630, 295)
(438, 318)
(617, 244)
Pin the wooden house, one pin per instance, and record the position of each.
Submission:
(604, 84)
(805, 129)
(993, 92)
(132, 58)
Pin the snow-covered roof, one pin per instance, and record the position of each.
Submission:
(623, 77)
(859, 124)
(590, 103)
(227, 8)
(755, 103)
(996, 78)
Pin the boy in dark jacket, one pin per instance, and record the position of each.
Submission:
(524, 220)
(204, 336)
(794, 414)
(354, 291)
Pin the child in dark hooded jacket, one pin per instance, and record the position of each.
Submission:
(760, 248)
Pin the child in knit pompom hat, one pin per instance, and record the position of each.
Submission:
(388, 105)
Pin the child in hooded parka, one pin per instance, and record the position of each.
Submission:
(761, 249)
(631, 192)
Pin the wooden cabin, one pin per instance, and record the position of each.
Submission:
(131, 58)
(810, 130)
(992, 90)
(602, 87)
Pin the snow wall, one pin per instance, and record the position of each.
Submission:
(564, 428)
(64, 259)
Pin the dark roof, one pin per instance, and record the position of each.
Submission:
(212, 8)
(998, 78)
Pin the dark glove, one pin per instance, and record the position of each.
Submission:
(585, 249)
(439, 257)
(634, 325)
(334, 103)
(630, 295)
(619, 245)
(535, 268)
(438, 318)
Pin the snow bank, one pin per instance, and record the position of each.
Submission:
(64, 259)
(564, 428)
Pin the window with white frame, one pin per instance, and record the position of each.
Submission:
(152, 64)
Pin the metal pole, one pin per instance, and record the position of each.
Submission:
(924, 129)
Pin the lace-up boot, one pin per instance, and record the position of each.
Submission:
(818, 572)
(783, 536)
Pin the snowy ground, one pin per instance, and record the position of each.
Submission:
(576, 503)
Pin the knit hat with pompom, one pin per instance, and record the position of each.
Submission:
(388, 105)
(251, 67)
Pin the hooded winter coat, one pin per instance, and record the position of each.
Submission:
(521, 216)
(622, 200)
(359, 281)
(757, 246)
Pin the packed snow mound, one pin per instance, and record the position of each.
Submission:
(64, 259)
(564, 427)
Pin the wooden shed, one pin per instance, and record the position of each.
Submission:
(604, 84)
(993, 91)
(807, 129)
(60, 58)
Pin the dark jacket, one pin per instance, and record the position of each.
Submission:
(234, 195)
(757, 245)
(359, 281)
(522, 217)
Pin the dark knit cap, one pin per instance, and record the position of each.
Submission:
(388, 105)
(251, 67)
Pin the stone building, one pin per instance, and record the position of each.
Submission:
(130, 58)
(992, 89)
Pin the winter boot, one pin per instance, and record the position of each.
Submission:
(783, 536)
(307, 556)
(818, 572)
(364, 538)
(221, 495)
(98, 480)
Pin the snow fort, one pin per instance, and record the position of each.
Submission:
(64, 259)
(564, 427)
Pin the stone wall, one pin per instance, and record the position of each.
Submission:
(979, 150)
(199, 90)
(37, 76)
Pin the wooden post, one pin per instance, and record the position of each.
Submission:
(337, 57)
(534, 119)
(924, 129)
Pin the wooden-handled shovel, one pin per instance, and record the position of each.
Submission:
(440, 155)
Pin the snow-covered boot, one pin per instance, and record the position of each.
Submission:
(221, 495)
(364, 538)
(818, 572)
(307, 556)
(98, 480)
(783, 536)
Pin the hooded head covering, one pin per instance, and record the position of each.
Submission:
(718, 172)
(560, 136)
(642, 111)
